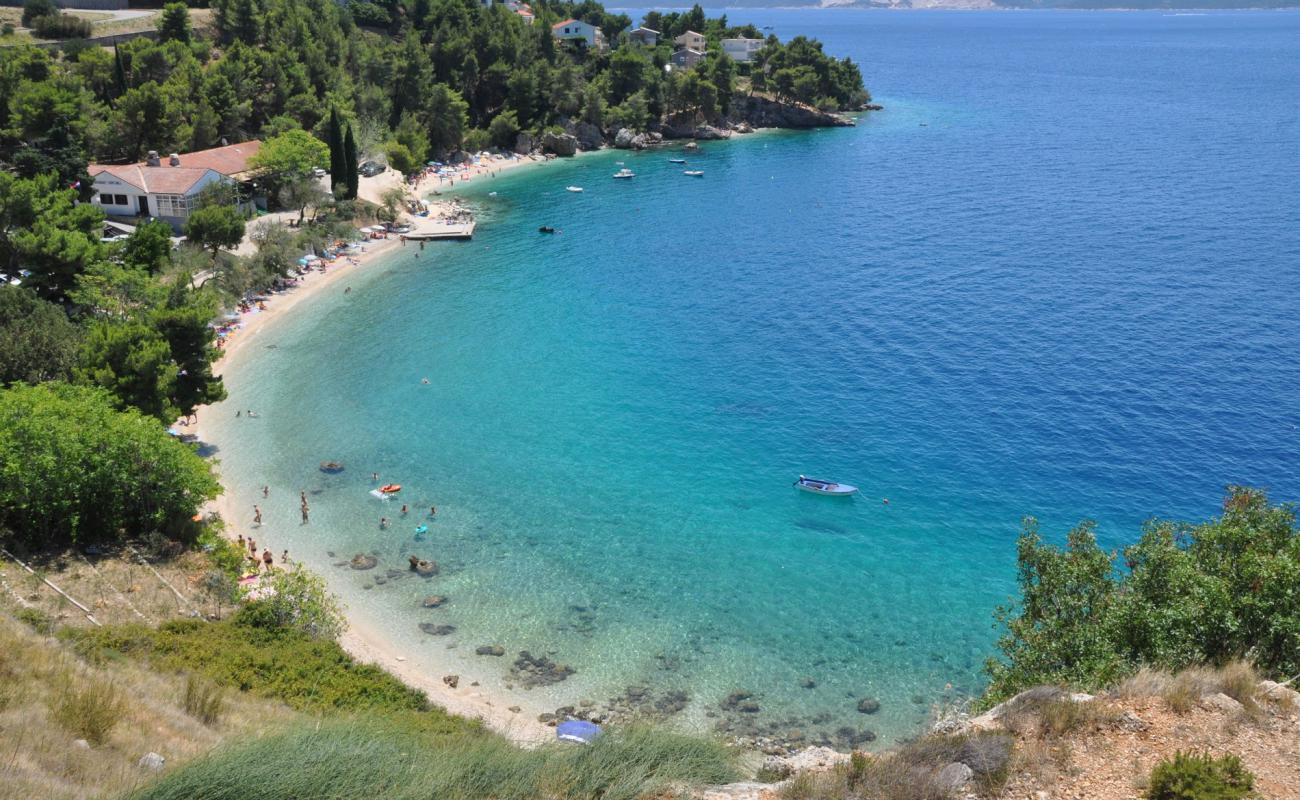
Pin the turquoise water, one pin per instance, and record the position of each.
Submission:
(1056, 277)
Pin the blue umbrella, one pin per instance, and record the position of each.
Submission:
(577, 730)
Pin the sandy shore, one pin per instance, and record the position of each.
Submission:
(363, 642)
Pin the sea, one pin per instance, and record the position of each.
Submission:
(1057, 277)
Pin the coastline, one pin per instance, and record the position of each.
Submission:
(363, 641)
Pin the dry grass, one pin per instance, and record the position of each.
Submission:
(47, 696)
(203, 699)
(1049, 713)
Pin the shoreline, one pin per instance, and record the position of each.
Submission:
(363, 641)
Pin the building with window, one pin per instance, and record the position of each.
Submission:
(692, 41)
(643, 35)
(742, 49)
(575, 30)
(168, 189)
(687, 58)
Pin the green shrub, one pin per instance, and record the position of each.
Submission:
(1190, 595)
(7, 29)
(370, 15)
(35, 9)
(89, 708)
(36, 619)
(61, 26)
(1188, 776)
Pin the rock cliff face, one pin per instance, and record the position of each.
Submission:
(761, 112)
(561, 144)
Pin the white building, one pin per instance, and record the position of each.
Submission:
(168, 189)
(692, 41)
(575, 30)
(742, 50)
(643, 35)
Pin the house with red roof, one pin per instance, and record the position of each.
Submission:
(168, 189)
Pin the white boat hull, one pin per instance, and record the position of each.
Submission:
(825, 487)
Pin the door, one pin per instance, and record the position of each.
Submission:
(144, 205)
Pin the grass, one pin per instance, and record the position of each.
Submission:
(203, 699)
(347, 758)
(88, 707)
(1183, 691)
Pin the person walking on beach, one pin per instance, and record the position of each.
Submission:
(284, 558)
(257, 516)
(252, 546)
(268, 559)
(240, 541)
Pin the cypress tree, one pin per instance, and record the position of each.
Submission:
(350, 165)
(338, 172)
(119, 72)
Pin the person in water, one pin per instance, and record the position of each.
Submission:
(433, 511)
(257, 516)
(383, 523)
(403, 509)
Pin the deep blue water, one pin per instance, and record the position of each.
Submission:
(1056, 277)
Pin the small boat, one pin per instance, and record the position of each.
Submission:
(546, 229)
(391, 488)
(573, 189)
(817, 486)
(624, 174)
(694, 173)
(331, 467)
(676, 161)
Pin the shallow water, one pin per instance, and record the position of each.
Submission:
(1056, 277)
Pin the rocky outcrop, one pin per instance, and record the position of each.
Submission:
(590, 137)
(525, 143)
(532, 670)
(760, 112)
(422, 567)
(623, 139)
(363, 561)
(561, 144)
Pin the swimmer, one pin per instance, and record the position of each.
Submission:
(383, 523)
(424, 381)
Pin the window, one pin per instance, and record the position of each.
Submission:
(173, 205)
(113, 200)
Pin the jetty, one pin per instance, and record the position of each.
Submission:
(433, 230)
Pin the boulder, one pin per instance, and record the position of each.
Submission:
(743, 127)
(708, 132)
(490, 650)
(423, 568)
(80, 744)
(433, 601)
(986, 755)
(363, 561)
(1224, 703)
(868, 705)
(451, 680)
(151, 761)
(561, 144)
(590, 137)
(952, 777)
(623, 139)
(525, 143)
(1282, 695)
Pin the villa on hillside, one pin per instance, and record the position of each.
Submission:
(692, 41)
(575, 30)
(742, 49)
(168, 189)
(687, 58)
(524, 10)
(643, 35)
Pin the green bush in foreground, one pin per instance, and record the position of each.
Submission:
(371, 759)
(1187, 776)
(73, 469)
(1190, 595)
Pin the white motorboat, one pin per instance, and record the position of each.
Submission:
(817, 486)
(694, 173)
(676, 161)
(624, 174)
(573, 189)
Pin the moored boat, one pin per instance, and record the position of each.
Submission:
(818, 486)
(546, 229)
(573, 189)
(694, 173)
(624, 174)
(676, 161)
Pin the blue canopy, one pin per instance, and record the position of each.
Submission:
(576, 730)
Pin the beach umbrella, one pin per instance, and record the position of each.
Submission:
(577, 730)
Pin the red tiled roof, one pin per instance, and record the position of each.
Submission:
(230, 160)
(562, 24)
(153, 180)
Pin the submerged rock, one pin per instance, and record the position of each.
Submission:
(808, 683)
(422, 567)
(490, 650)
(433, 601)
(532, 670)
(363, 561)
(437, 630)
(868, 705)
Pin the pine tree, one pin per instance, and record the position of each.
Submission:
(338, 170)
(119, 72)
(350, 163)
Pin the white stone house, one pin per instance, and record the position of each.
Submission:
(742, 49)
(692, 41)
(168, 188)
(575, 30)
